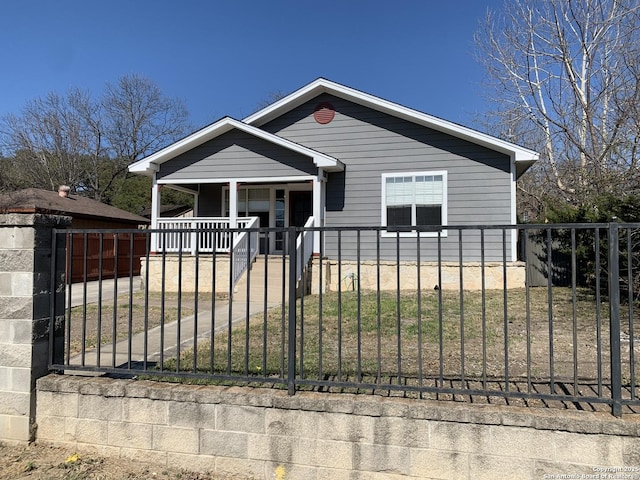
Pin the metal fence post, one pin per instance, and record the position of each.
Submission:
(291, 369)
(57, 298)
(614, 319)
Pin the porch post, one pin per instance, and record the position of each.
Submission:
(233, 204)
(318, 186)
(155, 212)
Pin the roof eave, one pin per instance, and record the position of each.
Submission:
(292, 100)
(151, 164)
(523, 165)
(146, 168)
(329, 165)
(321, 85)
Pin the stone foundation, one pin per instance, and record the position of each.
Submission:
(188, 274)
(347, 277)
(472, 275)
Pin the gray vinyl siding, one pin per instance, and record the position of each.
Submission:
(371, 143)
(236, 154)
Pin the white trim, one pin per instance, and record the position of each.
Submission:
(317, 208)
(152, 162)
(233, 204)
(155, 211)
(322, 85)
(383, 202)
(272, 219)
(514, 212)
(242, 181)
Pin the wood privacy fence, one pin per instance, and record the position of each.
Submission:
(104, 254)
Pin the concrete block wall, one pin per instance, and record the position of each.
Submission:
(25, 274)
(265, 434)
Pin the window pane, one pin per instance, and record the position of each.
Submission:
(259, 199)
(428, 215)
(429, 190)
(399, 190)
(399, 215)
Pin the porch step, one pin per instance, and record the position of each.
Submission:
(272, 270)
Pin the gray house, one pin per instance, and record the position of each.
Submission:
(329, 155)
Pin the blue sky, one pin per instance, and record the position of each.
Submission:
(226, 57)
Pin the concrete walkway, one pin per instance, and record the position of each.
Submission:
(199, 326)
(109, 287)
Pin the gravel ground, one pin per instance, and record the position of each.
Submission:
(50, 462)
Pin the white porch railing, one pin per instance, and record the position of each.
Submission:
(304, 254)
(205, 234)
(245, 248)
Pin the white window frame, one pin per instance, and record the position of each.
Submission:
(413, 233)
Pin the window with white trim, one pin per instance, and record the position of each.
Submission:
(412, 199)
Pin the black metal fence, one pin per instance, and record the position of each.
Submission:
(391, 313)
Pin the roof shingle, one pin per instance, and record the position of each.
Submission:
(34, 200)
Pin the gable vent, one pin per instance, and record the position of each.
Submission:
(324, 113)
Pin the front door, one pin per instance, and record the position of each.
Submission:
(300, 207)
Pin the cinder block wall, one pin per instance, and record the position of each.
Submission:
(25, 280)
(265, 434)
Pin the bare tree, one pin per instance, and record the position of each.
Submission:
(565, 78)
(87, 144)
(139, 118)
(47, 140)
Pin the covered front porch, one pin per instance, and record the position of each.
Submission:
(255, 221)
(222, 209)
(243, 179)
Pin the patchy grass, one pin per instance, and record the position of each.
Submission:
(97, 323)
(444, 333)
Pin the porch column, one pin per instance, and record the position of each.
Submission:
(318, 186)
(155, 212)
(233, 204)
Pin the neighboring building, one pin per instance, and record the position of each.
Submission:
(85, 213)
(329, 155)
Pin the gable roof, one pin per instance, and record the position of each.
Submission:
(35, 200)
(150, 164)
(523, 157)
